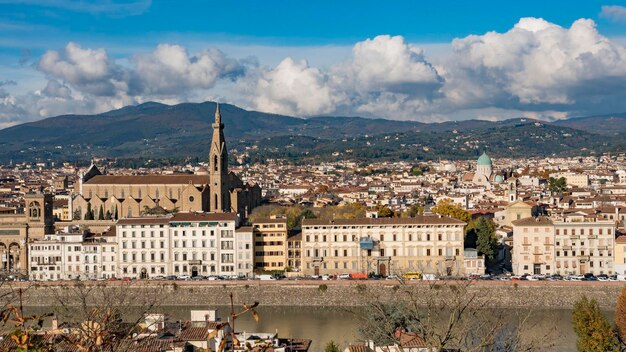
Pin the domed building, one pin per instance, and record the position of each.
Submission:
(484, 169)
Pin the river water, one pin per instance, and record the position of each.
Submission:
(323, 324)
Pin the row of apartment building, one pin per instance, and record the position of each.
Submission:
(210, 244)
(193, 244)
(574, 244)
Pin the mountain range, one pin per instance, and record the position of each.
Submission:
(154, 131)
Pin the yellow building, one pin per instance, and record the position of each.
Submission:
(17, 229)
(620, 255)
(120, 196)
(516, 211)
(270, 244)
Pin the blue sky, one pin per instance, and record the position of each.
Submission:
(103, 54)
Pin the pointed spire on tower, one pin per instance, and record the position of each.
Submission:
(218, 116)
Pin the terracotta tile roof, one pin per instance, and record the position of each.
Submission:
(418, 220)
(538, 221)
(148, 179)
(204, 217)
(194, 333)
(411, 340)
(359, 348)
(621, 240)
(244, 229)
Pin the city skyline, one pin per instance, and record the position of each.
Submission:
(423, 62)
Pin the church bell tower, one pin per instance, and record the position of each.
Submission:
(218, 167)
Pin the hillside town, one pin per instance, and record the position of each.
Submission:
(545, 218)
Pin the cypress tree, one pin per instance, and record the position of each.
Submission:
(89, 212)
(101, 213)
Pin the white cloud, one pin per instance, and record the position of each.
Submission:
(91, 71)
(614, 13)
(536, 65)
(294, 88)
(385, 76)
(387, 64)
(536, 68)
(170, 69)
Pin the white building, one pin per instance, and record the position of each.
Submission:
(205, 244)
(144, 247)
(73, 254)
(192, 244)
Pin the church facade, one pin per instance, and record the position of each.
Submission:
(126, 196)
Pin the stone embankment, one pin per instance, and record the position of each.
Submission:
(528, 295)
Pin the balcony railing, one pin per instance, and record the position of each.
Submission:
(568, 247)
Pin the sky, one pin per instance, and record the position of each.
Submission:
(407, 60)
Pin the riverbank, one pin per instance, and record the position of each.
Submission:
(496, 294)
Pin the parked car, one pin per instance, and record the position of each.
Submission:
(265, 277)
(184, 277)
(343, 277)
(171, 277)
(603, 277)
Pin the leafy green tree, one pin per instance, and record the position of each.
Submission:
(415, 210)
(481, 234)
(593, 329)
(108, 215)
(331, 346)
(557, 185)
(417, 171)
(447, 208)
(384, 212)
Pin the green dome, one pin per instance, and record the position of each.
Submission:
(499, 179)
(484, 160)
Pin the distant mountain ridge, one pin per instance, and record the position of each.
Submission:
(159, 131)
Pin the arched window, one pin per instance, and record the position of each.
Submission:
(215, 163)
(215, 200)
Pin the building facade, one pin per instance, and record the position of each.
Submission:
(572, 245)
(123, 196)
(533, 246)
(270, 244)
(73, 255)
(18, 228)
(584, 245)
(383, 246)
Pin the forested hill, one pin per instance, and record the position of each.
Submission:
(162, 132)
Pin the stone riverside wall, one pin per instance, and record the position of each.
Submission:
(326, 294)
